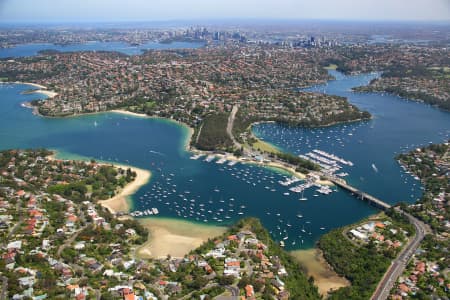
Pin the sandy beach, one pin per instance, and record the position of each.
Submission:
(129, 113)
(119, 202)
(187, 145)
(324, 276)
(49, 94)
(41, 87)
(289, 169)
(174, 237)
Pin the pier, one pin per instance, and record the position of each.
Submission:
(360, 194)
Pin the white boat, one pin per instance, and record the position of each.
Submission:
(374, 168)
(210, 158)
(289, 181)
(221, 161)
(303, 198)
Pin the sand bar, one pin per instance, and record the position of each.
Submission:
(316, 266)
(174, 237)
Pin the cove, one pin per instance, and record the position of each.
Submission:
(218, 194)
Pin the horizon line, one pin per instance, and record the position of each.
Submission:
(245, 19)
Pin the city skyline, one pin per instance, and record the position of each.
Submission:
(138, 10)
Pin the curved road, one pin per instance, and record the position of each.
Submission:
(234, 290)
(399, 264)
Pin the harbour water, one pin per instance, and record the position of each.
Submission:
(33, 49)
(398, 125)
(210, 193)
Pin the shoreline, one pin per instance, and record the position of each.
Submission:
(166, 236)
(187, 142)
(39, 86)
(230, 156)
(41, 89)
(47, 93)
(174, 237)
(325, 278)
(120, 203)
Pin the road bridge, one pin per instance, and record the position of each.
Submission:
(360, 194)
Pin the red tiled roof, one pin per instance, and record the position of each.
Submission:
(233, 264)
(232, 237)
(403, 287)
(249, 290)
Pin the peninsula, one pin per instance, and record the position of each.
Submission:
(198, 87)
(58, 242)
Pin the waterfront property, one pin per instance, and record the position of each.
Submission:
(202, 185)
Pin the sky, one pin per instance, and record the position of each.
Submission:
(162, 10)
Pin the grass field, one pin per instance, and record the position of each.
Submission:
(265, 147)
(331, 67)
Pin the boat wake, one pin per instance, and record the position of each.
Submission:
(156, 152)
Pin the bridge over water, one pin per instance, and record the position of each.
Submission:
(360, 194)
